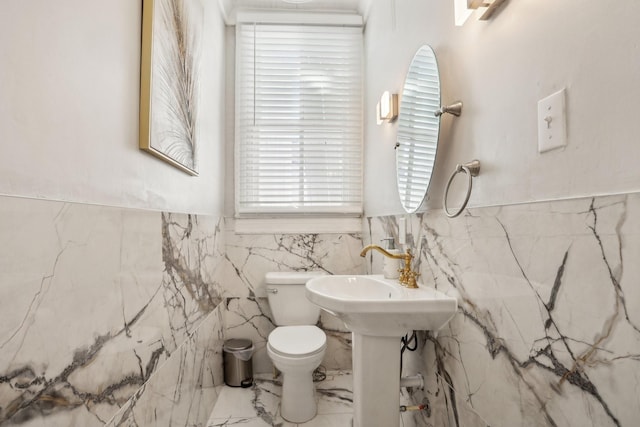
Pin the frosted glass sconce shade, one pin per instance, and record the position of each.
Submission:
(387, 108)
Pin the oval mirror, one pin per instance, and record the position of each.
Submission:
(418, 129)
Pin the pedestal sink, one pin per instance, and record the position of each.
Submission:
(379, 312)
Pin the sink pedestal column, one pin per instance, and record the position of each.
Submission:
(376, 381)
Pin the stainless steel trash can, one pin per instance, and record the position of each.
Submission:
(238, 371)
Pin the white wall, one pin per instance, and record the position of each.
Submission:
(500, 69)
(69, 94)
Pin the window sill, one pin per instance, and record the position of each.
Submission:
(317, 225)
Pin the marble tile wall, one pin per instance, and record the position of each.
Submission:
(250, 256)
(548, 327)
(183, 391)
(95, 302)
(115, 316)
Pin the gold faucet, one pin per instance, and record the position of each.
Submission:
(407, 276)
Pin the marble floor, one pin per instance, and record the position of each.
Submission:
(259, 405)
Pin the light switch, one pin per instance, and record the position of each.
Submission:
(552, 122)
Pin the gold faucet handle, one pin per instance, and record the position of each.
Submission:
(403, 276)
(411, 280)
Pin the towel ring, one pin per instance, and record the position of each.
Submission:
(471, 169)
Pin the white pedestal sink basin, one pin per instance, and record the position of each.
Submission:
(379, 312)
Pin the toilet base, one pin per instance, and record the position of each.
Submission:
(298, 403)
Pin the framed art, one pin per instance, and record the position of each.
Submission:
(171, 38)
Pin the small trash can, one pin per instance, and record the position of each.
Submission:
(238, 371)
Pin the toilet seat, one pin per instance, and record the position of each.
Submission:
(297, 341)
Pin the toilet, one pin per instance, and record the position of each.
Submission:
(296, 346)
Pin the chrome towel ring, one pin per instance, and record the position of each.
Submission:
(471, 169)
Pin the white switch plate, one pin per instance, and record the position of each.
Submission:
(552, 122)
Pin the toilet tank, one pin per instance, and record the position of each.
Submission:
(287, 300)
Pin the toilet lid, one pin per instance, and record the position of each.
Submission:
(297, 340)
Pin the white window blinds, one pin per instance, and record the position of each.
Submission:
(298, 119)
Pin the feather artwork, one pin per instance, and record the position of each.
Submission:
(173, 109)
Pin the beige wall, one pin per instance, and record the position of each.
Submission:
(500, 69)
(69, 93)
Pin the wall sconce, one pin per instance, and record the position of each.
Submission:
(485, 8)
(387, 108)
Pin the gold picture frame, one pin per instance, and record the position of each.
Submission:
(171, 35)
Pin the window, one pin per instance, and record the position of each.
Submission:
(298, 119)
